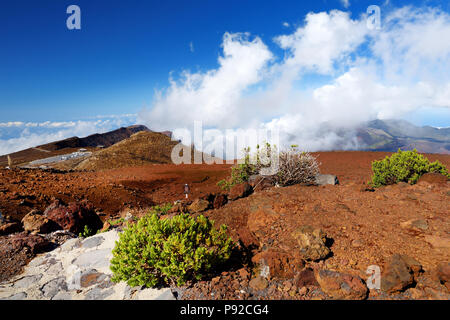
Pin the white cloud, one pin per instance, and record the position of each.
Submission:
(325, 39)
(286, 24)
(191, 46)
(401, 68)
(212, 96)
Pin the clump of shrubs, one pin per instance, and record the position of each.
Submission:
(294, 166)
(403, 166)
(161, 209)
(175, 250)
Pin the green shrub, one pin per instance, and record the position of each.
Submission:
(161, 209)
(406, 166)
(116, 222)
(240, 172)
(253, 164)
(167, 251)
(87, 232)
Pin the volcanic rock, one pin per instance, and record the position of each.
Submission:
(400, 273)
(259, 182)
(312, 243)
(258, 283)
(323, 179)
(198, 205)
(74, 217)
(341, 286)
(241, 190)
(35, 222)
(219, 201)
(438, 242)
(306, 278)
(418, 225)
(34, 243)
(281, 264)
(8, 228)
(443, 273)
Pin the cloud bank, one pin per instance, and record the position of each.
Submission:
(15, 136)
(335, 74)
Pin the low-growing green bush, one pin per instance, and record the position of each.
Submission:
(161, 209)
(87, 232)
(169, 251)
(406, 166)
(252, 164)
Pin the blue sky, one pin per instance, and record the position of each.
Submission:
(126, 50)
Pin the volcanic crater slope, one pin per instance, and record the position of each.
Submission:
(140, 149)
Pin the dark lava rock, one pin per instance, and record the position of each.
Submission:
(74, 217)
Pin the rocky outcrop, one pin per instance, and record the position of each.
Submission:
(78, 270)
(73, 217)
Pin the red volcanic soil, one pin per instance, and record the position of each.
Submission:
(355, 166)
(140, 187)
(110, 191)
(365, 228)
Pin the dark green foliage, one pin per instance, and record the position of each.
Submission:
(252, 165)
(87, 232)
(169, 251)
(406, 166)
(239, 173)
(161, 209)
(116, 222)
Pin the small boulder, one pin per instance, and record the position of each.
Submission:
(258, 283)
(312, 243)
(341, 286)
(305, 278)
(35, 243)
(74, 217)
(400, 273)
(443, 273)
(198, 205)
(35, 222)
(10, 227)
(323, 179)
(281, 264)
(241, 190)
(219, 200)
(260, 182)
(417, 225)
